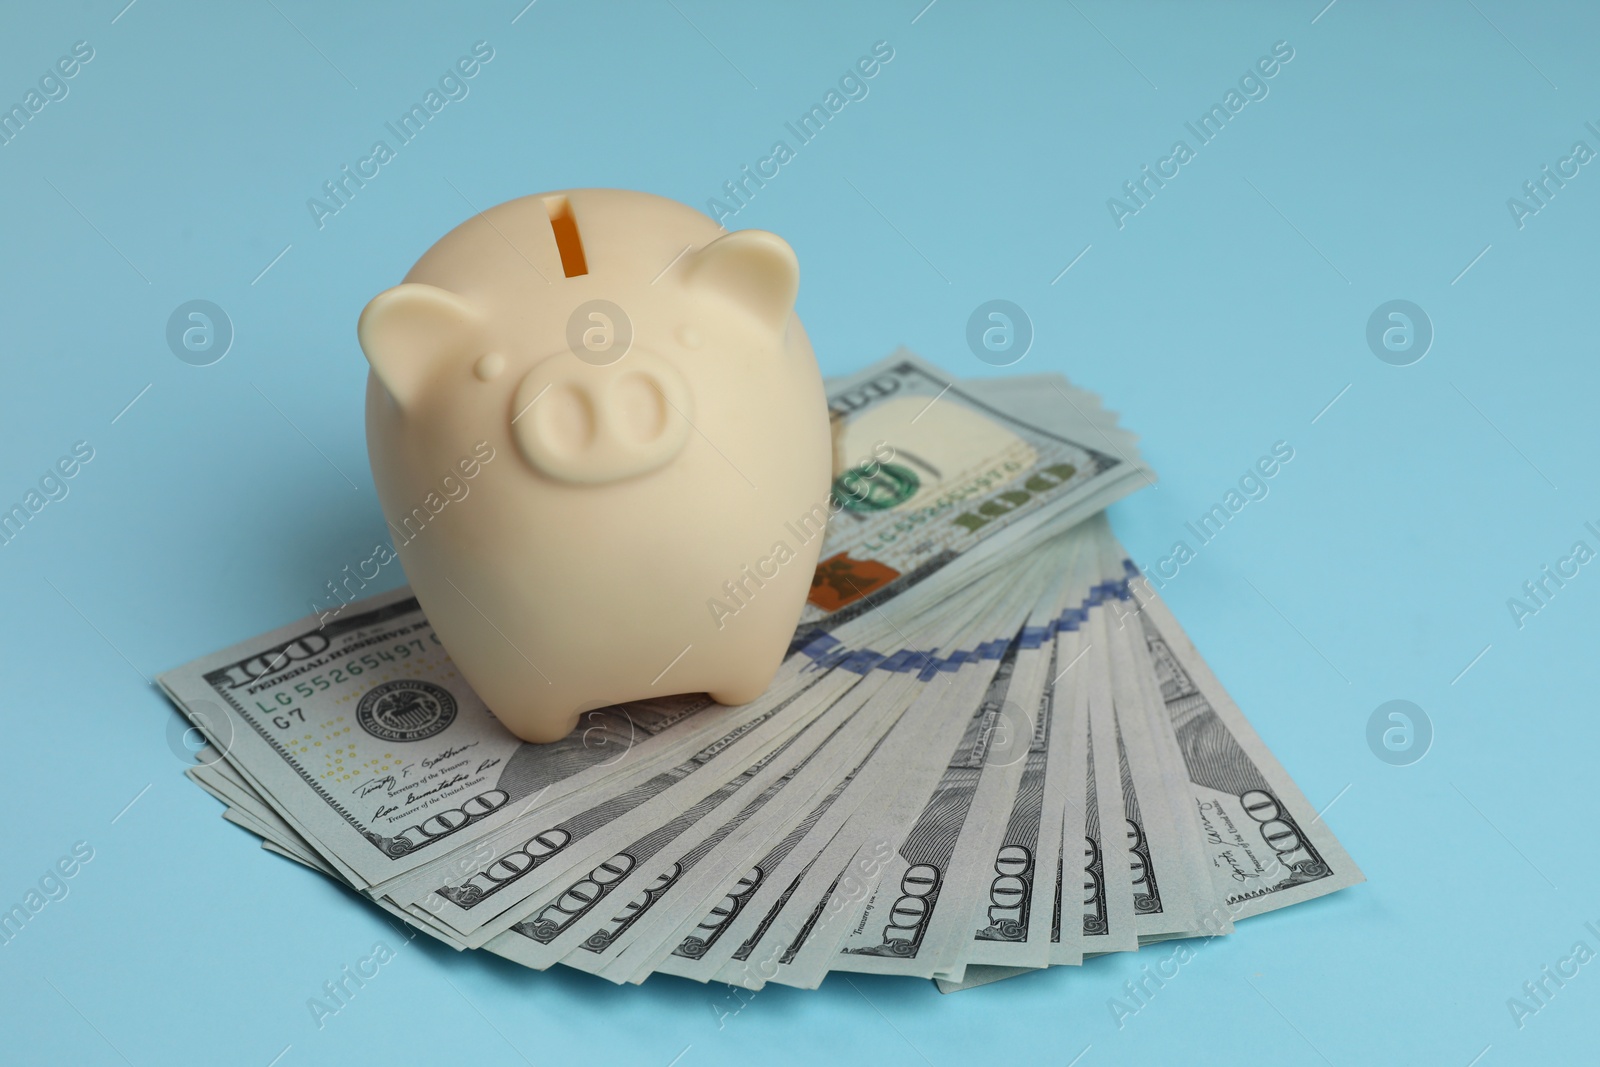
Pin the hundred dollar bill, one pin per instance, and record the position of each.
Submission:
(731, 937)
(950, 846)
(1078, 907)
(922, 841)
(1022, 743)
(1173, 893)
(501, 881)
(628, 884)
(759, 892)
(257, 817)
(892, 929)
(1108, 924)
(735, 851)
(1166, 901)
(1012, 922)
(249, 810)
(961, 483)
(886, 798)
(498, 884)
(1006, 891)
(1108, 901)
(1049, 400)
(1262, 847)
(369, 743)
(690, 946)
(1009, 717)
(981, 974)
(994, 866)
(1152, 915)
(1267, 846)
(708, 874)
(367, 740)
(569, 921)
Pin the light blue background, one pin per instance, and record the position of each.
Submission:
(1222, 318)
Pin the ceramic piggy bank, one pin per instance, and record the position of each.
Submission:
(590, 416)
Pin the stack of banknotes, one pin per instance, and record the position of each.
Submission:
(992, 749)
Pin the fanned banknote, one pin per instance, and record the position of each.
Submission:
(990, 750)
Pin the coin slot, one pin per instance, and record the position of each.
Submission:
(568, 243)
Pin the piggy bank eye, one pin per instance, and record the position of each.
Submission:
(488, 367)
(586, 424)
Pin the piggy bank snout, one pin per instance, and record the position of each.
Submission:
(578, 422)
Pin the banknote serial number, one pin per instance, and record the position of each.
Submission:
(281, 708)
(310, 652)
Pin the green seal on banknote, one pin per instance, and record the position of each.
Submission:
(887, 486)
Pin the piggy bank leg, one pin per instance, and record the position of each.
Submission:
(538, 726)
(739, 692)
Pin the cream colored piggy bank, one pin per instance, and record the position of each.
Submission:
(592, 417)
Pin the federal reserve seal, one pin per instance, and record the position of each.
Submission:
(406, 710)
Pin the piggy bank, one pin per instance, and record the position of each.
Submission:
(594, 421)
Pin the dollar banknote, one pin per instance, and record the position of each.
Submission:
(926, 930)
(894, 928)
(961, 472)
(626, 887)
(805, 937)
(990, 750)
(1267, 845)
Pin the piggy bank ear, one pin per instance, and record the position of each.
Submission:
(410, 331)
(755, 268)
